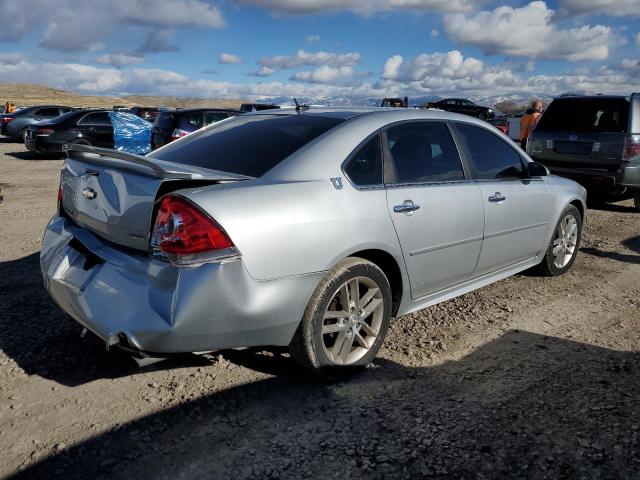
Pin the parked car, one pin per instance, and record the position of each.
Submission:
(464, 106)
(86, 127)
(257, 107)
(171, 125)
(148, 113)
(279, 228)
(594, 140)
(501, 123)
(395, 102)
(120, 130)
(15, 125)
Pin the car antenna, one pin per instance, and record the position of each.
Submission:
(300, 108)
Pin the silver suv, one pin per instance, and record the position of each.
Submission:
(594, 140)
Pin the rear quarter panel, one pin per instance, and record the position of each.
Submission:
(299, 227)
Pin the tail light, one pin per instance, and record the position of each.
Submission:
(187, 236)
(44, 132)
(178, 133)
(631, 147)
(6, 120)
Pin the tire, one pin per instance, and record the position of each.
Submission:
(636, 200)
(23, 134)
(555, 265)
(483, 116)
(340, 351)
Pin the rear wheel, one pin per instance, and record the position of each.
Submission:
(564, 245)
(346, 320)
(23, 134)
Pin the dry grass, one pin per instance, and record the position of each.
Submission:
(23, 94)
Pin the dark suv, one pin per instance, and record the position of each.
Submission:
(464, 106)
(87, 127)
(594, 140)
(15, 124)
(171, 125)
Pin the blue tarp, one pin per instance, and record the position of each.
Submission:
(130, 133)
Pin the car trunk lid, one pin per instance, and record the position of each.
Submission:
(113, 193)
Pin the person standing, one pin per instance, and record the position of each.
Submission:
(528, 122)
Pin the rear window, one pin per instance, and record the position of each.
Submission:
(585, 115)
(250, 145)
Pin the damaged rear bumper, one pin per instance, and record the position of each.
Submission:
(129, 299)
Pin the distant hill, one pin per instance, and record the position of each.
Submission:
(25, 94)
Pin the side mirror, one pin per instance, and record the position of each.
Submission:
(535, 169)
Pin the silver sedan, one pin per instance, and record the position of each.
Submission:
(308, 229)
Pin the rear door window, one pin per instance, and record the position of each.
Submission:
(97, 118)
(492, 158)
(423, 152)
(364, 167)
(250, 145)
(585, 115)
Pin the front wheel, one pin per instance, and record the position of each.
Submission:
(483, 115)
(346, 320)
(564, 245)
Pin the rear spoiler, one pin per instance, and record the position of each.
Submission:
(106, 156)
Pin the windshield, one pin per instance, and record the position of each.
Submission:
(585, 115)
(248, 145)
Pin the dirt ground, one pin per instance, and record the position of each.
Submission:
(528, 378)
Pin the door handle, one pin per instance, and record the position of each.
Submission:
(497, 198)
(407, 207)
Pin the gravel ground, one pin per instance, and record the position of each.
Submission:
(528, 378)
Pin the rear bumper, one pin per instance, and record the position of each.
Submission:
(159, 308)
(627, 175)
(38, 145)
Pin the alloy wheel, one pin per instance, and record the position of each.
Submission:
(352, 320)
(564, 245)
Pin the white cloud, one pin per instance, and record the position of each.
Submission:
(302, 58)
(329, 75)
(120, 59)
(11, 58)
(529, 32)
(312, 39)
(229, 58)
(363, 7)
(158, 41)
(76, 25)
(616, 8)
(451, 65)
(435, 33)
(263, 72)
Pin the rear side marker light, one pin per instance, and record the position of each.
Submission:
(44, 132)
(186, 236)
(6, 120)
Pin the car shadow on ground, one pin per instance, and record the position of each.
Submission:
(522, 406)
(632, 243)
(42, 340)
(27, 155)
(610, 207)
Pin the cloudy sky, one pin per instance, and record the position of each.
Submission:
(245, 48)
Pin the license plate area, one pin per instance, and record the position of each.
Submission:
(575, 148)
